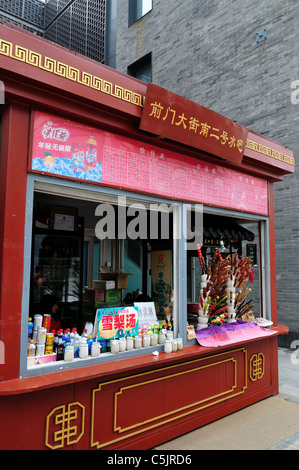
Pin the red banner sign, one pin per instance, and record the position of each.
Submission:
(66, 149)
(176, 118)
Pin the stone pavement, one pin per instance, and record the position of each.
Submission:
(271, 424)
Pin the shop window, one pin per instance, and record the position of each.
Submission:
(234, 240)
(142, 69)
(144, 263)
(88, 273)
(138, 8)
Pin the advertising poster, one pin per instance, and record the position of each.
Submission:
(65, 148)
(162, 281)
(116, 322)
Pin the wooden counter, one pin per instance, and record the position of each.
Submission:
(140, 402)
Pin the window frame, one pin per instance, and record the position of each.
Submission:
(138, 64)
(133, 15)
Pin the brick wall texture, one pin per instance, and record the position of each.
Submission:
(206, 51)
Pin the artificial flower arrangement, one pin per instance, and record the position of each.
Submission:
(223, 293)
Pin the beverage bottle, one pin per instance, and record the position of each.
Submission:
(83, 350)
(72, 335)
(76, 344)
(84, 334)
(30, 328)
(55, 342)
(91, 153)
(156, 331)
(31, 348)
(68, 352)
(67, 342)
(60, 348)
(89, 342)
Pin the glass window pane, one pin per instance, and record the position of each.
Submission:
(146, 6)
(235, 240)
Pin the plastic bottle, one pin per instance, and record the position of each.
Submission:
(149, 330)
(72, 335)
(31, 348)
(76, 344)
(84, 334)
(161, 337)
(30, 328)
(60, 348)
(67, 342)
(68, 352)
(83, 350)
(55, 344)
(89, 342)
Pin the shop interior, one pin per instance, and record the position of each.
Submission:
(69, 260)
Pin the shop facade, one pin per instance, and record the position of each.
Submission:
(91, 162)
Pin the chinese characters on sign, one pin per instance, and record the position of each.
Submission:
(67, 149)
(117, 322)
(173, 117)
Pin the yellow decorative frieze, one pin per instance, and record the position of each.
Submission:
(69, 72)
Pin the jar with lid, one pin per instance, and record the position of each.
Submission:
(69, 353)
(146, 341)
(162, 337)
(154, 339)
(83, 349)
(168, 346)
(122, 344)
(137, 342)
(169, 335)
(114, 343)
(174, 345)
(180, 344)
(95, 349)
(129, 343)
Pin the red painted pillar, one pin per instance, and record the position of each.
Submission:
(13, 178)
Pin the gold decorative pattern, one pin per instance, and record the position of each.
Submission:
(65, 425)
(250, 144)
(118, 428)
(257, 367)
(233, 390)
(69, 72)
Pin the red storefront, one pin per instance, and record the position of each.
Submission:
(152, 148)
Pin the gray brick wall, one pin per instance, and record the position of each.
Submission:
(207, 51)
